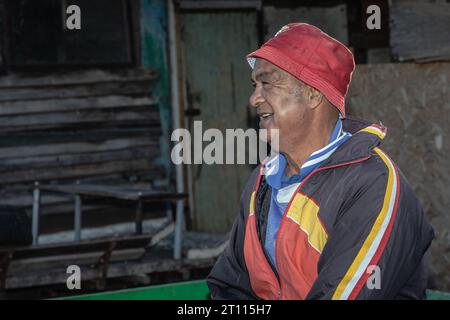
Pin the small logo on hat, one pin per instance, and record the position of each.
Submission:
(283, 29)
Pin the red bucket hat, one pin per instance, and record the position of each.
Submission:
(313, 57)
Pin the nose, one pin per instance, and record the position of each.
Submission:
(256, 99)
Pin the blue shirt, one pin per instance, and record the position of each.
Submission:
(283, 187)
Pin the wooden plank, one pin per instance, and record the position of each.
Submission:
(77, 159)
(24, 198)
(74, 147)
(205, 253)
(162, 233)
(420, 32)
(117, 221)
(54, 120)
(84, 134)
(65, 260)
(21, 195)
(81, 158)
(87, 125)
(51, 203)
(113, 225)
(78, 171)
(67, 209)
(60, 205)
(83, 246)
(148, 174)
(73, 104)
(125, 193)
(63, 92)
(16, 80)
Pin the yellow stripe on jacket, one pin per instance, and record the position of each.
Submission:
(304, 212)
(370, 245)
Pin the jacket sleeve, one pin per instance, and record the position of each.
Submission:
(376, 247)
(229, 277)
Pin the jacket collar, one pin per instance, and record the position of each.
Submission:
(365, 137)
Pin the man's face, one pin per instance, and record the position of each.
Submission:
(279, 103)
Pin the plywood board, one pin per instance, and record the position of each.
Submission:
(413, 101)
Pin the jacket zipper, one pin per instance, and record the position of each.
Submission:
(274, 269)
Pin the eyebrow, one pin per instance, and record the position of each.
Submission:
(263, 74)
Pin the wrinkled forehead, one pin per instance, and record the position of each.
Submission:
(264, 68)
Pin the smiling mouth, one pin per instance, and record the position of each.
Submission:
(263, 116)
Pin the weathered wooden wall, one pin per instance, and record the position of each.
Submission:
(332, 20)
(420, 31)
(413, 101)
(76, 126)
(218, 85)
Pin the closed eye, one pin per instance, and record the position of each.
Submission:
(266, 84)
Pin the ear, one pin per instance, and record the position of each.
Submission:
(313, 97)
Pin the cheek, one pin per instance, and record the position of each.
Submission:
(289, 114)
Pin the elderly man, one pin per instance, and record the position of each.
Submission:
(333, 217)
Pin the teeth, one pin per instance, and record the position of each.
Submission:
(265, 115)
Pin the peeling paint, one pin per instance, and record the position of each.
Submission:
(154, 54)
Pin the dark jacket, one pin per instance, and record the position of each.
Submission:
(354, 230)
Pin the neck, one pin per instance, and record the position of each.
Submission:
(317, 137)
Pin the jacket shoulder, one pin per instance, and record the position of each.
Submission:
(379, 165)
(382, 178)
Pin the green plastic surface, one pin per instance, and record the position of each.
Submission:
(190, 290)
